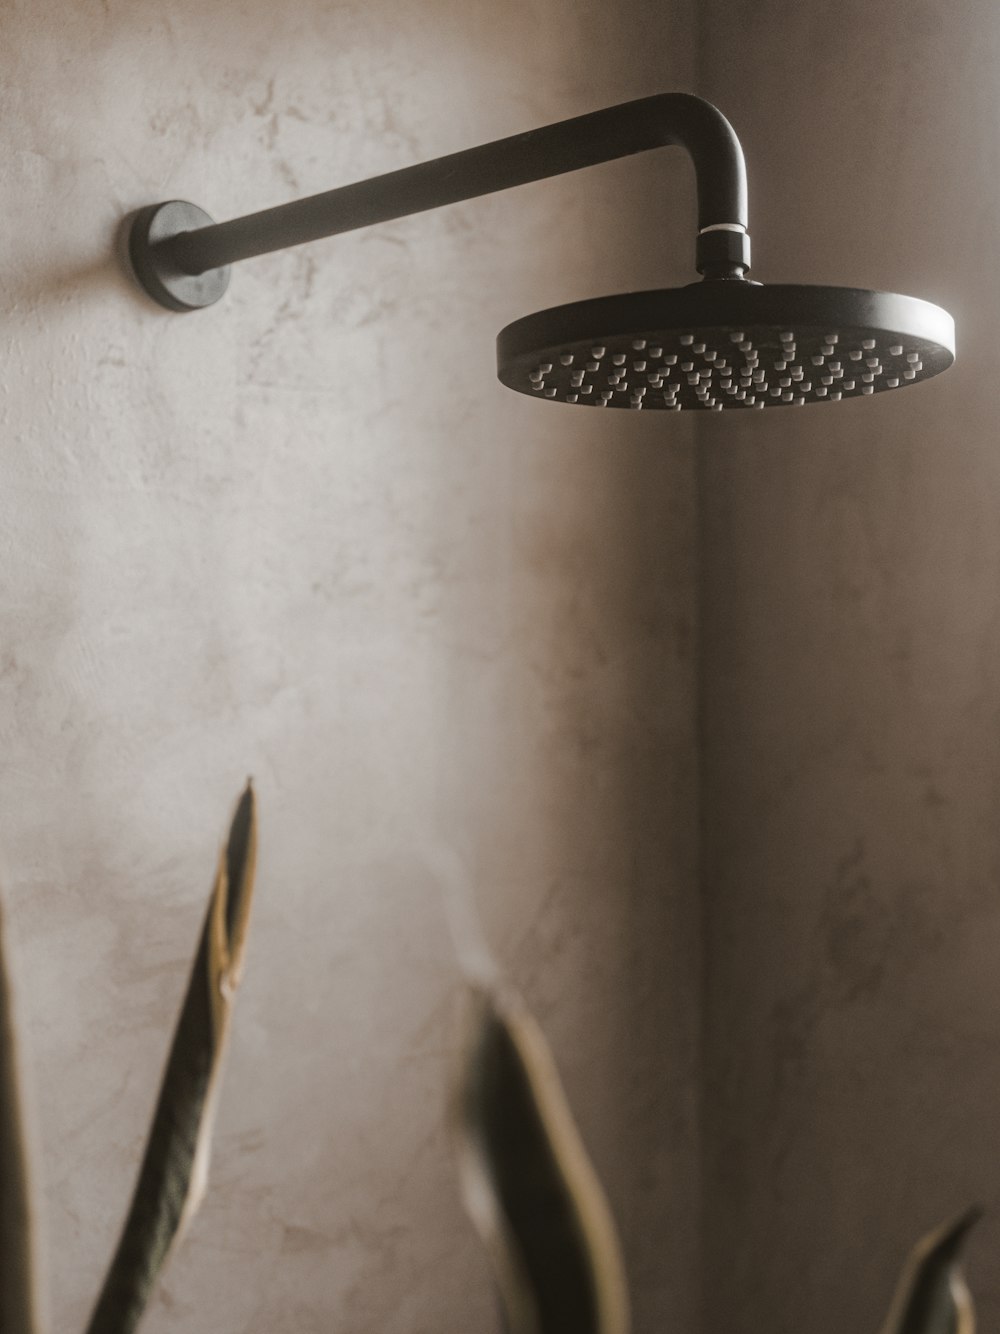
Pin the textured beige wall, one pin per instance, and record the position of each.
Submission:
(851, 692)
(306, 535)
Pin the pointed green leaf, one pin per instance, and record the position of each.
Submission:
(529, 1186)
(19, 1305)
(932, 1297)
(174, 1169)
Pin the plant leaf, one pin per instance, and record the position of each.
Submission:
(528, 1184)
(932, 1297)
(174, 1169)
(19, 1305)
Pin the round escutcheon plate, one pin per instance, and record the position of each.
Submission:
(165, 282)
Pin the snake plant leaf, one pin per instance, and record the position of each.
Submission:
(19, 1304)
(932, 1297)
(528, 1184)
(174, 1169)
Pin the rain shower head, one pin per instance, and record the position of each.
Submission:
(716, 345)
(722, 343)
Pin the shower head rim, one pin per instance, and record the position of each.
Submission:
(728, 303)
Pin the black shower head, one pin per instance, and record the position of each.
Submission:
(726, 344)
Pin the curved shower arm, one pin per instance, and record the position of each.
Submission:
(568, 145)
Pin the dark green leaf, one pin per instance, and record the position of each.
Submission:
(18, 1289)
(529, 1186)
(174, 1169)
(932, 1297)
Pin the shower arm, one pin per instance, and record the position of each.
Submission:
(184, 264)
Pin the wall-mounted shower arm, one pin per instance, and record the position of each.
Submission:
(708, 346)
(185, 249)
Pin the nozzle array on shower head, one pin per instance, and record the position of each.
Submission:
(719, 345)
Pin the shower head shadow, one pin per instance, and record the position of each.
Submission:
(725, 342)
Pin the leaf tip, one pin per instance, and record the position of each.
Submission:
(952, 1236)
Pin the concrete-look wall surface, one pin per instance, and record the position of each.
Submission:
(306, 535)
(851, 797)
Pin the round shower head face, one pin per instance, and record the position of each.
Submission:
(724, 345)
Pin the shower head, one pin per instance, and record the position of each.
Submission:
(716, 345)
(725, 342)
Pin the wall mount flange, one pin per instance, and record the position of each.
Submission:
(164, 280)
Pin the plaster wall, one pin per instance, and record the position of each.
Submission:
(306, 535)
(851, 690)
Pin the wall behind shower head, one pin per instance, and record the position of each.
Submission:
(851, 688)
(306, 535)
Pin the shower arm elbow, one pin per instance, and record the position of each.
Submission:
(170, 252)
